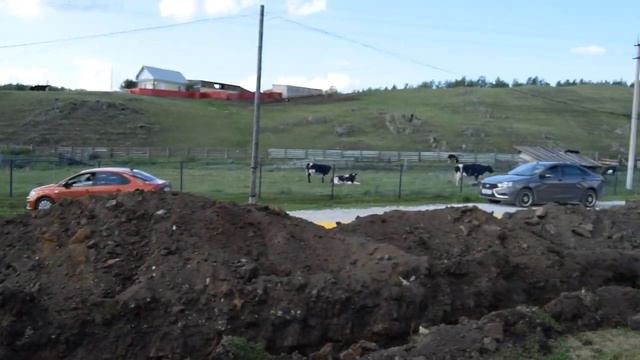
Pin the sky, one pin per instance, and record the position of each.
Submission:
(348, 44)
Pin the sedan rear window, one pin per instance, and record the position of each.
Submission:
(143, 175)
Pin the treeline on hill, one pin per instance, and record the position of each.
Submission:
(482, 82)
(24, 87)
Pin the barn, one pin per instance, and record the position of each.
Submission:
(545, 153)
(150, 77)
(290, 91)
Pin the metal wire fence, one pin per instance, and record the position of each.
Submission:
(281, 183)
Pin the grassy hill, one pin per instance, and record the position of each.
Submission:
(589, 117)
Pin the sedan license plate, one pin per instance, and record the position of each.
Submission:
(487, 191)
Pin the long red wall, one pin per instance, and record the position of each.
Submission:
(217, 94)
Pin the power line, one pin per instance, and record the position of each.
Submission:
(116, 33)
(369, 46)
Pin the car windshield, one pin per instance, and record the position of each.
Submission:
(527, 169)
(143, 175)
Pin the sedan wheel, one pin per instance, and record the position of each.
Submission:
(44, 203)
(590, 198)
(524, 198)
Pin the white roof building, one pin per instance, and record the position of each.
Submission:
(150, 77)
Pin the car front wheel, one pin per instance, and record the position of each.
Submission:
(590, 198)
(524, 198)
(44, 203)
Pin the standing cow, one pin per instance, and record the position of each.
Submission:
(317, 169)
(475, 170)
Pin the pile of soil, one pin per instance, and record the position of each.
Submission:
(169, 275)
(66, 121)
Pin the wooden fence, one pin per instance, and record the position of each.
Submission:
(388, 156)
(103, 152)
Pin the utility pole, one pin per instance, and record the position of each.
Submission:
(634, 123)
(255, 149)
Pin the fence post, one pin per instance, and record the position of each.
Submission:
(400, 182)
(11, 178)
(259, 178)
(615, 183)
(461, 178)
(333, 174)
(181, 173)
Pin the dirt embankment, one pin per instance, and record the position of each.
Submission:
(170, 275)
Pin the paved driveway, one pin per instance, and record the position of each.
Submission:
(328, 217)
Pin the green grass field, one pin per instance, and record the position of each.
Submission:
(590, 117)
(284, 186)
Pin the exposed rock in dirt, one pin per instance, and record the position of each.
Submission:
(59, 124)
(507, 329)
(171, 275)
(402, 124)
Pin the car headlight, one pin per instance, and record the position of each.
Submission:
(32, 193)
(505, 184)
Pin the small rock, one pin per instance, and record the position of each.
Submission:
(110, 262)
(541, 213)
(634, 322)
(532, 222)
(489, 344)
(348, 355)
(588, 227)
(363, 347)
(464, 230)
(161, 212)
(111, 203)
(580, 231)
(494, 330)
(326, 353)
(80, 236)
(550, 229)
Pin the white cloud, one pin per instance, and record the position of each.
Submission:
(304, 8)
(337, 80)
(589, 50)
(26, 9)
(28, 76)
(92, 74)
(178, 9)
(226, 7)
(250, 83)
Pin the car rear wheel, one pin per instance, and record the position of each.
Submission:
(44, 203)
(524, 198)
(590, 198)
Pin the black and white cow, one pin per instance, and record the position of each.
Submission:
(345, 179)
(475, 170)
(317, 169)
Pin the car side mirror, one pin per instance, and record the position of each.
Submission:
(66, 185)
(545, 175)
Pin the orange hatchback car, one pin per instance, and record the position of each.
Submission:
(100, 181)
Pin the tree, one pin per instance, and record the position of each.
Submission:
(516, 83)
(499, 83)
(128, 84)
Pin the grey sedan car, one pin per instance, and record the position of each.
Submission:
(543, 182)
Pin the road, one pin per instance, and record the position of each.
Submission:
(328, 217)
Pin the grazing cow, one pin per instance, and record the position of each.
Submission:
(317, 169)
(345, 179)
(475, 170)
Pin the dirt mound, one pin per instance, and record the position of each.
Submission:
(173, 275)
(64, 121)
